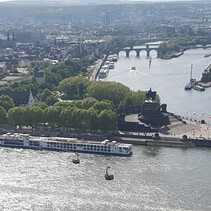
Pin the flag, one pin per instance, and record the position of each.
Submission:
(163, 127)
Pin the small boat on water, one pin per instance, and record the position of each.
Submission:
(76, 161)
(107, 175)
(207, 55)
(150, 62)
(133, 68)
(192, 81)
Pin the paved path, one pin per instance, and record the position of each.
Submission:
(95, 69)
(177, 128)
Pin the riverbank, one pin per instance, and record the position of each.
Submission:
(196, 133)
(96, 67)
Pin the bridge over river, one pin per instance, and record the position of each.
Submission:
(147, 48)
(150, 47)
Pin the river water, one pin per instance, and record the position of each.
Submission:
(154, 178)
(168, 78)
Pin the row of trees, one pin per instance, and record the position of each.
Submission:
(85, 115)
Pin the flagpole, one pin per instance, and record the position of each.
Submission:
(187, 113)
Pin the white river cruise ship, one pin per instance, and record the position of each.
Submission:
(65, 144)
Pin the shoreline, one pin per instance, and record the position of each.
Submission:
(182, 133)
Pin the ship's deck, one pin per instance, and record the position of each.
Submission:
(17, 136)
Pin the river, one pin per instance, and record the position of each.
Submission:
(153, 179)
(168, 78)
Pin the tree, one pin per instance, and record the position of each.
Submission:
(42, 105)
(33, 116)
(79, 119)
(51, 100)
(112, 91)
(46, 93)
(102, 105)
(74, 87)
(66, 117)
(107, 120)
(52, 115)
(88, 102)
(3, 115)
(134, 99)
(92, 115)
(6, 102)
(15, 116)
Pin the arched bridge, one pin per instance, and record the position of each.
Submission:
(147, 48)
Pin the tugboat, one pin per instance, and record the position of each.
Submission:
(107, 175)
(192, 81)
(76, 161)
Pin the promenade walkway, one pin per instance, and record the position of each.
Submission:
(96, 67)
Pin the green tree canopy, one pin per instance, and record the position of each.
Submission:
(16, 116)
(134, 99)
(42, 105)
(107, 120)
(112, 91)
(74, 87)
(3, 115)
(88, 102)
(51, 100)
(52, 115)
(93, 123)
(102, 105)
(32, 116)
(6, 102)
(45, 94)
